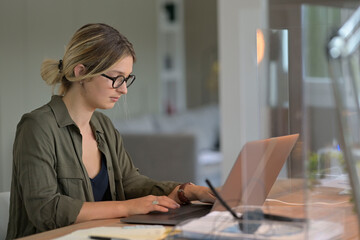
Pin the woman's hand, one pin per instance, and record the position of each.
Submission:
(194, 192)
(148, 204)
(203, 194)
(115, 209)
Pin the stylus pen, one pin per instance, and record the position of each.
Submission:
(107, 238)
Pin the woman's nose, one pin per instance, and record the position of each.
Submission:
(122, 89)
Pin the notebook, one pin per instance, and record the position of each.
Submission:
(248, 183)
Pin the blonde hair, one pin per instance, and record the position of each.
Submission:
(96, 46)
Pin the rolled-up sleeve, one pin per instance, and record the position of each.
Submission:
(35, 167)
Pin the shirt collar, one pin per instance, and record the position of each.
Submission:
(63, 118)
(60, 111)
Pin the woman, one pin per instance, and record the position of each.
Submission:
(69, 162)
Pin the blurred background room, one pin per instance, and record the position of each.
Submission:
(210, 76)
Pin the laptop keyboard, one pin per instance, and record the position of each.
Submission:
(190, 213)
(172, 217)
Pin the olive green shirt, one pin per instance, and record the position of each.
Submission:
(49, 180)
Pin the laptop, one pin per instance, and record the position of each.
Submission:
(248, 183)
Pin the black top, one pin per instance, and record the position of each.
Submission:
(100, 183)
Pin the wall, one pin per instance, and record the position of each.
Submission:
(239, 95)
(34, 30)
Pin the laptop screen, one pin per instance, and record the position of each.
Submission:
(255, 171)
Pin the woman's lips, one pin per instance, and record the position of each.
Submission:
(114, 99)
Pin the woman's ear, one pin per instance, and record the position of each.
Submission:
(79, 70)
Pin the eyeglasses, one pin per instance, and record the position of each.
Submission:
(119, 80)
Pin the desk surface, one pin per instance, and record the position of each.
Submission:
(286, 198)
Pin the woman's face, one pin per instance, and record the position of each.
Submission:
(99, 93)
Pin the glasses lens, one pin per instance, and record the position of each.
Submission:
(118, 82)
(130, 80)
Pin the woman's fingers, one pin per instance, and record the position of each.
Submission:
(162, 203)
(204, 194)
(149, 203)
